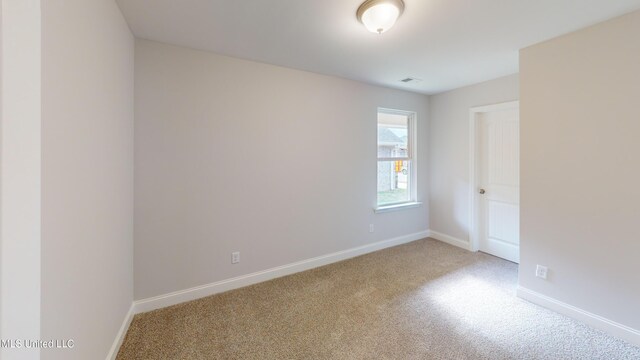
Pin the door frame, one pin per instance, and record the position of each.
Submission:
(474, 116)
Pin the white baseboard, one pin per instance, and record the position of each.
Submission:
(197, 292)
(611, 327)
(450, 240)
(113, 352)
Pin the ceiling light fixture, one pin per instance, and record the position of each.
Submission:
(379, 16)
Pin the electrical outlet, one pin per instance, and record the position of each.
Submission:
(371, 228)
(541, 272)
(235, 257)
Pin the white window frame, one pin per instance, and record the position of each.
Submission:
(411, 158)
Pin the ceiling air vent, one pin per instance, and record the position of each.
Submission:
(410, 79)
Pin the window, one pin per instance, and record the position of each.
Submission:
(396, 165)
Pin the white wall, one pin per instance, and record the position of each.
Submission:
(87, 175)
(20, 176)
(449, 151)
(580, 194)
(233, 155)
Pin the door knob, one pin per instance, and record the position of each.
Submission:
(481, 191)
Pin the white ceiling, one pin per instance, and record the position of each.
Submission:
(446, 43)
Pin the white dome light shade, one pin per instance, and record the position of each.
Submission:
(379, 16)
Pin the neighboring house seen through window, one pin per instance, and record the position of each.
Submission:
(396, 167)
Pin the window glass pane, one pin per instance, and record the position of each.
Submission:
(393, 182)
(393, 135)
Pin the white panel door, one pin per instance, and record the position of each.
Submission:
(499, 184)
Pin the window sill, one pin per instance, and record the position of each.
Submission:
(396, 207)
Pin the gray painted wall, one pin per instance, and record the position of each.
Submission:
(580, 199)
(232, 155)
(87, 175)
(20, 160)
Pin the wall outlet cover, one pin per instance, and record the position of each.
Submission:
(541, 272)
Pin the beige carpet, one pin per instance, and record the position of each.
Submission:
(423, 300)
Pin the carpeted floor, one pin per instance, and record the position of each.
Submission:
(423, 300)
